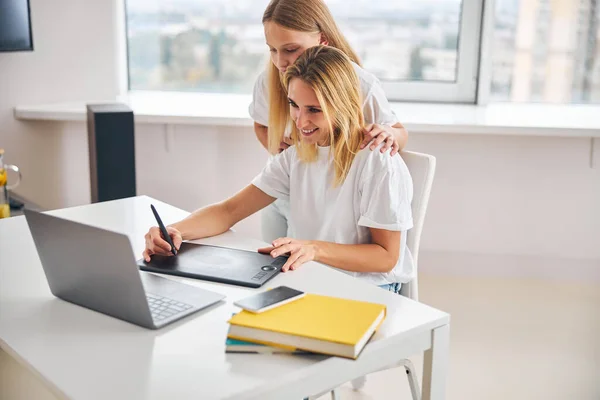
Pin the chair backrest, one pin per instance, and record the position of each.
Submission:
(422, 171)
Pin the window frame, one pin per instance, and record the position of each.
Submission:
(463, 90)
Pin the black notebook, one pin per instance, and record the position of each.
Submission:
(217, 264)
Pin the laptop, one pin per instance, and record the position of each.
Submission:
(217, 264)
(96, 268)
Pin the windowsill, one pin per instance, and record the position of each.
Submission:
(172, 108)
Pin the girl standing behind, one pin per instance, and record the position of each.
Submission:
(291, 27)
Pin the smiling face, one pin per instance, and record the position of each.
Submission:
(307, 113)
(287, 45)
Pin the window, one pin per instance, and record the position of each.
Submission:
(421, 50)
(195, 45)
(546, 51)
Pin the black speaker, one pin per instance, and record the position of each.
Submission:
(112, 151)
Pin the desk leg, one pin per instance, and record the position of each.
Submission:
(435, 364)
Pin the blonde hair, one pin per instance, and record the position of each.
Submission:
(303, 16)
(329, 72)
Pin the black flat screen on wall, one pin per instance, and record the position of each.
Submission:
(15, 26)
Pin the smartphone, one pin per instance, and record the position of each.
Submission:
(270, 299)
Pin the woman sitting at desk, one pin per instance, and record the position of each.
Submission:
(349, 208)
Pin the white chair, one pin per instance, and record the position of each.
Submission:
(422, 171)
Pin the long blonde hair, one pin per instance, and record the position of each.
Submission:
(303, 16)
(329, 72)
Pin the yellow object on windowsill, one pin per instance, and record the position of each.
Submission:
(4, 211)
(5, 187)
(2, 170)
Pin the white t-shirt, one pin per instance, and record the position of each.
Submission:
(376, 107)
(376, 193)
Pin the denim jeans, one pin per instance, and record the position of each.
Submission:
(392, 287)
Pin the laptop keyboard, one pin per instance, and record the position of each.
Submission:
(163, 307)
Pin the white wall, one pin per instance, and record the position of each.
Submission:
(494, 195)
(498, 195)
(527, 197)
(74, 59)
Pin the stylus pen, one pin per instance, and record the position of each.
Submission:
(163, 230)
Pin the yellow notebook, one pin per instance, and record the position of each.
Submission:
(314, 323)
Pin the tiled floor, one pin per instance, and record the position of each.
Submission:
(510, 339)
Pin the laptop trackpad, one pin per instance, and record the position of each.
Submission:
(185, 293)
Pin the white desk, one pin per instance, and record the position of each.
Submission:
(82, 354)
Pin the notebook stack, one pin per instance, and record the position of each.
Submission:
(316, 324)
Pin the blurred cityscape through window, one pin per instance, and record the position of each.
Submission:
(542, 50)
(546, 51)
